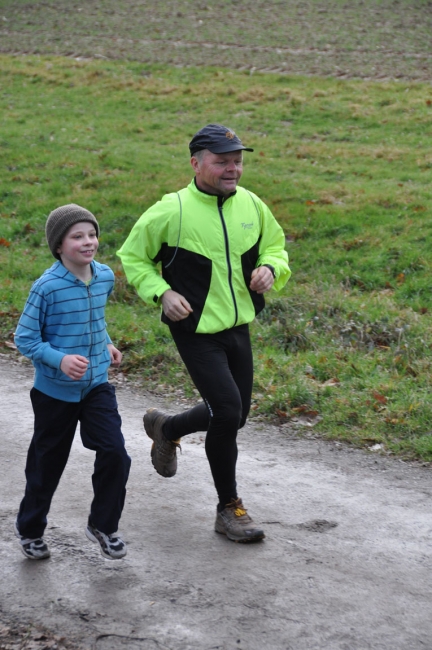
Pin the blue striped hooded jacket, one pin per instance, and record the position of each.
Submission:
(62, 316)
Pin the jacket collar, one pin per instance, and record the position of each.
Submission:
(207, 196)
(61, 271)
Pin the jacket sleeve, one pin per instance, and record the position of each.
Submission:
(28, 336)
(272, 247)
(143, 245)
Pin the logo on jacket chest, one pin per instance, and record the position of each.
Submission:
(247, 226)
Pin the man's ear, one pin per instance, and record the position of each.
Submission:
(195, 164)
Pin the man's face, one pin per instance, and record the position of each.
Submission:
(218, 173)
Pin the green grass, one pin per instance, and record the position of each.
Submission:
(345, 167)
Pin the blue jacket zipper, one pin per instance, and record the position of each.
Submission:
(91, 334)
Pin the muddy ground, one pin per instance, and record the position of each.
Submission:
(346, 564)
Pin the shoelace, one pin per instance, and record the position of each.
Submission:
(115, 541)
(176, 443)
(37, 541)
(165, 448)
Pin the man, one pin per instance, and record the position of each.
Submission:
(220, 249)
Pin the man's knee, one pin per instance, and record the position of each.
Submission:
(227, 417)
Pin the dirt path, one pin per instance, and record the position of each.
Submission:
(346, 564)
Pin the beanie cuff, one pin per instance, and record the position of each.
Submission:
(61, 219)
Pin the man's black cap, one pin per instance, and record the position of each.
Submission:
(217, 139)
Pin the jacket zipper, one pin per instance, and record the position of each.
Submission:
(91, 332)
(220, 200)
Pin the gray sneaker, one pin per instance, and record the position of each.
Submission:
(163, 452)
(111, 546)
(33, 549)
(234, 522)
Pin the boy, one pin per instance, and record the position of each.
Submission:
(63, 331)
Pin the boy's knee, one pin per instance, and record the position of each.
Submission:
(124, 458)
(117, 455)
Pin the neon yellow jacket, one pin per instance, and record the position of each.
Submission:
(207, 247)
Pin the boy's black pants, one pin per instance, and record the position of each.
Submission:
(54, 430)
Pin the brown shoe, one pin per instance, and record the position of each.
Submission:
(234, 522)
(163, 452)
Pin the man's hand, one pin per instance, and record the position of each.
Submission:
(74, 366)
(261, 279)
(175, 306)
(116, 355)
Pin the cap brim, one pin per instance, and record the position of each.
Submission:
(227, 148)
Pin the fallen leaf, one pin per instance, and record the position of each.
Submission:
(305, 411)
(306, 421)
(334, 381)
(382, 399)
(395, 421)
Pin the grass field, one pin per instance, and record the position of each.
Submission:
(343, 163)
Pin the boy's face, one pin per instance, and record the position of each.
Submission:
(79, 246)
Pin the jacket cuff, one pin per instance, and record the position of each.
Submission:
(272, 269)
(52, 357)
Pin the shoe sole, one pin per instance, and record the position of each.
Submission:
(32, 557)
(240, 540)
(92, 538)
(147, 423)
(23, 551)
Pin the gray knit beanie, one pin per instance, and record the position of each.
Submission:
(61, 219)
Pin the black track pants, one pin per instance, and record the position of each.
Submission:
(221, 367)
(54, 430)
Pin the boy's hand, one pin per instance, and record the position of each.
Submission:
(116, 355)
(74, 366)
